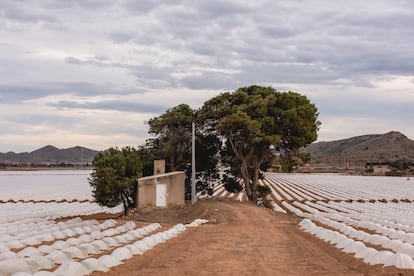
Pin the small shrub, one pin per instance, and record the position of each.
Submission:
(263, 191)
(395, 200)
(383, 200)
(372, 200)
(361, 200)
(231, 185)
(266, 202)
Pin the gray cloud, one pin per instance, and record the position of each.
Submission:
(346, 41)
(211, 80)
(17, 14)
(333, 41)
(111, 105)
(22, 92)
(89, 48)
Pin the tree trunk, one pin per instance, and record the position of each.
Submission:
(255, 179)
(172, 164)
(246, 179)
(251, 178)
(128, 200)
(250, 183)
(124, 203)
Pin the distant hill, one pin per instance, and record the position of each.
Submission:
(376, 148)
(51, 154)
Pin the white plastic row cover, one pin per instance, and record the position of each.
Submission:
(105, 262)
(367, 254)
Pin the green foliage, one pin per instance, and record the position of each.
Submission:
(147, 154)
(400, 165)
(263, 191)
(287, 162)
(258, 122)
(172, 131)
(172, 142)
(114, 177)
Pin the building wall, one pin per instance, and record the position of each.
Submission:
(159, 167)
(146, 193)
(175, 182)
(176, 189)
(381, 170)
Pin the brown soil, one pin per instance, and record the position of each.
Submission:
(242, 239)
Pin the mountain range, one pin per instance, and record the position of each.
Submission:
(359, 150)
(51, 154)
(375, 148)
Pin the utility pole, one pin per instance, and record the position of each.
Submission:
(193, 168)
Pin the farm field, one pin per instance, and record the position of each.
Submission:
(33, 242)
(370, 217)
(352, 225)
(47, 194)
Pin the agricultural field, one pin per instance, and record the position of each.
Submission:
(370, 217)
(33, 242)
(47, 194)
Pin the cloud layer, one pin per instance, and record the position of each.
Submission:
(92, 72)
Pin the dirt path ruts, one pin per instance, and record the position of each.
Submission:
(247, 240)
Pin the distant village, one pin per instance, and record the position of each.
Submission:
(45, 166)
(401, 168)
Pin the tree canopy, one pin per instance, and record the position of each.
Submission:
(256, 122)
(172, 132)
(114, 177)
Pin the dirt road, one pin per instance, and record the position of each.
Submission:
(245, 240)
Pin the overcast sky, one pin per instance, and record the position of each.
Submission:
(91, 72)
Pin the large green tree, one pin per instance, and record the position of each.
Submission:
(172, 132)
(258, 122)
(114, 177)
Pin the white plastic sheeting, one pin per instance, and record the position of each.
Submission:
(9, 266)
(92, 264)
(15, 237)
(24, 210)
(368, 255)
(71, 268)
(350, 205)
(197, 222)
(75, 259)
